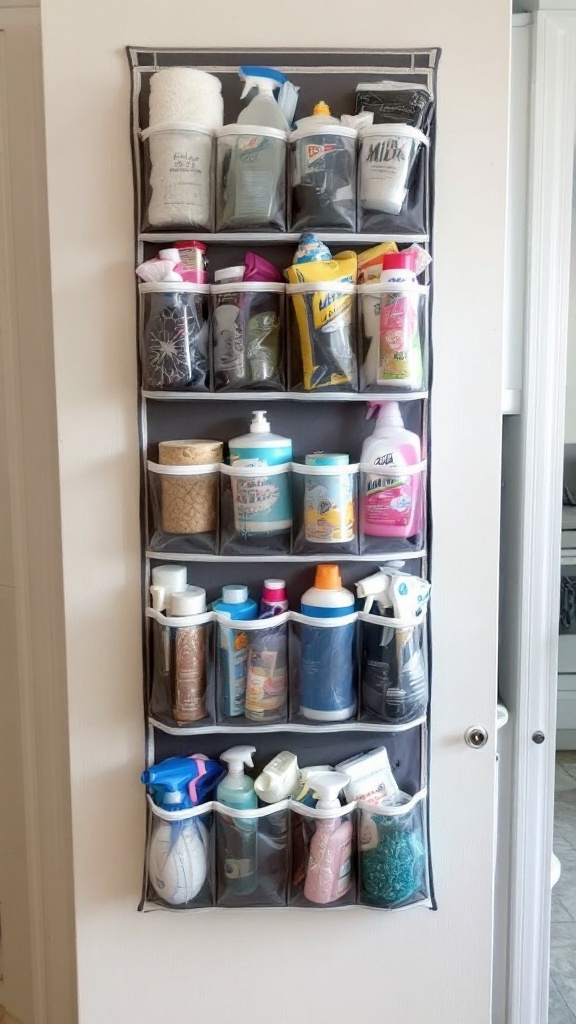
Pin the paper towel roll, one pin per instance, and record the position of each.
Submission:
(189, 503)
(186, 94)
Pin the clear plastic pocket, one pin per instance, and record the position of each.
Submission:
(248, 337)
(250, 178)
(174, 336)
(392, 855)
(255, 509)
(252, 856)
(252, 670)
(323, 669)
(184, 502)
(325, 509)
(322, 329)
(180, 858)
(393, 669)
(323, 178)
(392, 179)
(178, 176)
(392, 337)
(323, 861)
(181, 689)
(392, 508)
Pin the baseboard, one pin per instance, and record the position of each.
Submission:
(566, 739)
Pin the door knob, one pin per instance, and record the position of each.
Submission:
(476, 736)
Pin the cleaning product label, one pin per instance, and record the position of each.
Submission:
(233, 662)
(266, 687)
(262, 502)
(399, 338)
(329, 509)
(181, 167)
(388, 498)
(345, 874)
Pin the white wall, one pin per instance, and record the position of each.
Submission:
(261, 967)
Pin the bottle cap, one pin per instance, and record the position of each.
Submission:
(191, 601)
(388, 414)
(192, 245)
(260, 424)
(234, 593)
(399, 260)
(321, 108)
(328, 577)
(165, 580)
(328, 785)
(274, 590)
(237, 757)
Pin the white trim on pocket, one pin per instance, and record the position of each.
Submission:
(245, 625)
(330, 621)
(155, 467)
(384, 620)
(181, 620)
(343, 470)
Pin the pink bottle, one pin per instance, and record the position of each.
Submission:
(329, 873)
(391, 502)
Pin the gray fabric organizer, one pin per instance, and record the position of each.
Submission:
(335, 422)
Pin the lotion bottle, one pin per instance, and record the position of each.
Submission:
(329, 873)
(391, 503)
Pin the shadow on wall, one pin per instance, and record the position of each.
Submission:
(7, 1018)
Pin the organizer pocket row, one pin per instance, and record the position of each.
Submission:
(259, 179)
(313, 337)
(287, 509)
(208, 669)
(288, 854)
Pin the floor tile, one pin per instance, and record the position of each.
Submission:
(564, 975)
(564, 780)
(560, 1012)
(563, 934)
(560, 913)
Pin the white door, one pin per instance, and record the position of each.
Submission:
(415, 966)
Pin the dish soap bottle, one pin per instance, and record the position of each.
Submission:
(391, 503)
(327, 627)
(238, 837)
(329, 874)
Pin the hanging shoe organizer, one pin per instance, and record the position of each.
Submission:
(188, 511)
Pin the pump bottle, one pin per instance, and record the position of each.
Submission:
(329, 874)
(238, 836)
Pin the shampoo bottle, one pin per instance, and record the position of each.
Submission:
(233, 647)
(238, 836)
(329, 874)
(391, 503)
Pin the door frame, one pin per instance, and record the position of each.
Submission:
(549, 217)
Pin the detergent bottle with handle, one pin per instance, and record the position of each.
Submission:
(391, 502)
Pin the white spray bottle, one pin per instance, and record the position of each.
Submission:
(238, 837)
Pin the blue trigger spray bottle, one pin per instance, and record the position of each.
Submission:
(178, 845)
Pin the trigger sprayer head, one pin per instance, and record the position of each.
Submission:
(328, 786)
(266, 79)
(237, 757)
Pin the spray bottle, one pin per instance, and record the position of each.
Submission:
(254, 183)
(329, 874)
(238, 838)
(394, 684)
(178, 849)
(391, 502)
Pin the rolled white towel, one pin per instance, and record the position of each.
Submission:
(186, 95)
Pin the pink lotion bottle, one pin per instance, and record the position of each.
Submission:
(329, 872)
(391, 502)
